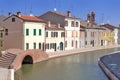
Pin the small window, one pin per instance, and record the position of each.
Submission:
(47, 46)
(46, 34)
(1, 44)
(34, 32)
(27, 32)
(27, 45)
(40, 32)
(85, 42)
(1, 35)
(72, 33)
(72, 24)
(34, 44)
(6, 31)
(66, 23)
(76, 24)
(62, 34)
(13, 19)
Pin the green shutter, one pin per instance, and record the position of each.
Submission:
(39, 45)
(27, 32)
(34, 32)
(40, 32)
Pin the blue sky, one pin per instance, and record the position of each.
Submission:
(106, 10)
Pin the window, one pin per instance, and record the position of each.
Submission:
(65, 43)
(66, 23)
(6, 31)
(27, 45)
(13, 19)
(76, 24)
(55, 34)
(72, 33)
(51, 45)
(72, 24)
(39, 45)
(40, 32)
(1, 44)
(46, 34)
(1, 35)
(72, 43)
(34, 44)
(34, 32)
(62, 34)
(85, 42)
(27, 32)
(47, 46)
(52, 34)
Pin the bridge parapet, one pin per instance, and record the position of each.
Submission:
(35, 55)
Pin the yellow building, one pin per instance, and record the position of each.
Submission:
(109, 38)
(108, 35)
(1, 39)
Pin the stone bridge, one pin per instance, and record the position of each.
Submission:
(14, 58)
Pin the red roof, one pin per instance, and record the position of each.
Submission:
(31, 18)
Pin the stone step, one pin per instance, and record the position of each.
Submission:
(6, 60)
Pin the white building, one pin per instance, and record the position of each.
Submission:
(71, 25)
(24, 32)
(55, 37)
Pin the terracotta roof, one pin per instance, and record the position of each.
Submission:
(54, 27)
(109, 26)
(64, 15)
(85, 24)
(31, 18)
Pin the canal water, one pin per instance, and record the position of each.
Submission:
(76, 67)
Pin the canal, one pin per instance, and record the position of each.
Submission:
(76, 67)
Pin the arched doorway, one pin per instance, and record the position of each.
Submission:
(27, 60)
(61, 45)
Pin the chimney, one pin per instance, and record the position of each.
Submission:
(69, 14)
(58, 25)
(19, 14)
(9, 14)
(49, 24)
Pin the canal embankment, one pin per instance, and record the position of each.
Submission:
(110, 65)
(77, 51)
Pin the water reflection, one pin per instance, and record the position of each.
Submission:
(75, 67)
